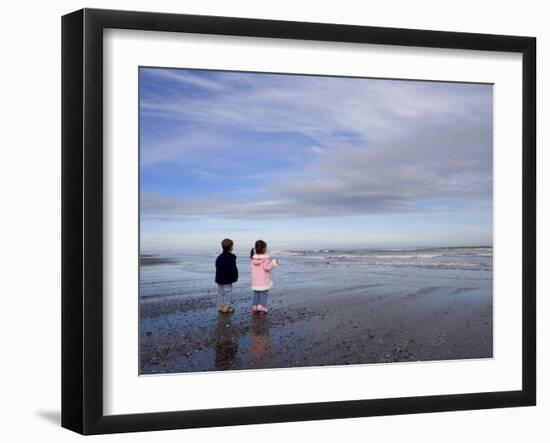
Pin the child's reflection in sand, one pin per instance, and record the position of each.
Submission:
(227, 345)
(260, 341)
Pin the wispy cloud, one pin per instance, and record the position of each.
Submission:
(158, 207)
(187, 78)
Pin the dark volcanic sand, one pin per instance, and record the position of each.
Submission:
(359, 326)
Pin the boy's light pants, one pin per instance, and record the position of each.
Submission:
(223, 290)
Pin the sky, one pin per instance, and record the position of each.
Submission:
(313, 161)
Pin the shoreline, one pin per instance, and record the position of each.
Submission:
(149, 259)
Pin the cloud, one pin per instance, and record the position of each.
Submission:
(186, 77)
(180, 147)
(374, 146)
(322, 107)
(160, 207)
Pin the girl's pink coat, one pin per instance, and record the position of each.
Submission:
(260, 268)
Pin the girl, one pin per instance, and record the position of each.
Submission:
(260, 268)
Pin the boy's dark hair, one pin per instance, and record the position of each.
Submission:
(259, 248)
(227, 244)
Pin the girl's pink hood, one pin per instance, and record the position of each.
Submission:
(260, 268)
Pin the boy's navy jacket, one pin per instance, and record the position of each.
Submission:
(226, 268)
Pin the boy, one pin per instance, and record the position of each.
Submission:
(226, 274)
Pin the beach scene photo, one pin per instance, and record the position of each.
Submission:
(294, 221)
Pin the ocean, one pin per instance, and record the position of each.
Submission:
(191, 274)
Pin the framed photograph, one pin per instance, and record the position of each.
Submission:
(269, 221)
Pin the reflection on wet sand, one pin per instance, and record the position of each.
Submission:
(227, 345)
(260, 342)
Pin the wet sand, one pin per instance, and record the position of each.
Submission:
(356, 325)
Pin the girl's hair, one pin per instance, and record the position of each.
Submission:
(259, 248)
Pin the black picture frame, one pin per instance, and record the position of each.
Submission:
(82, 220)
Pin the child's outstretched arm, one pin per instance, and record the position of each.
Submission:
(269, 265)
